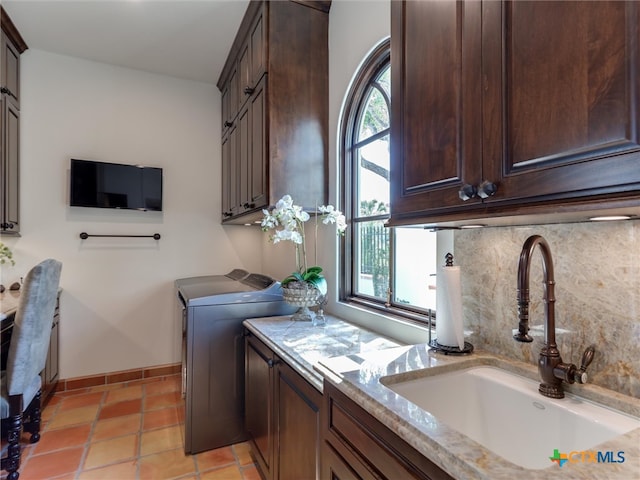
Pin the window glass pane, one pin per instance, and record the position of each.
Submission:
(385, 80)
(373, 178)
(375, 116)
(415, 267)
(371, 259)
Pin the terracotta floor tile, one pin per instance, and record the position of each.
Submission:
(181, 410)
(159, 440)
(232, 472)
(217, 458)
(250, 473)
(53, 464)
(80, 401)
(113, 439)
(163, 400)
(111, 451)
(62, 438)
(242, 451)
(171, 464)
(163, 386)
(160, 418)
(119, 409)
(48, 413)
(119, 471)
(122, 394)
(71, 393)
(73, 417)
(66, 476)
(53, 401)
(116, 427)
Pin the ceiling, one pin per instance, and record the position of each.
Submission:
(188, 39)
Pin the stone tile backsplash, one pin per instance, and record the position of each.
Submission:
(597, 273)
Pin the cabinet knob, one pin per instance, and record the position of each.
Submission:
(226, 214)
(487, 189)
(227, 123)
(248, 205)
(467, 191)
(272, 363)
(249, 90)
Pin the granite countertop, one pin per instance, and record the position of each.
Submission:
(302, 345)
(359, 376)
(354, 360)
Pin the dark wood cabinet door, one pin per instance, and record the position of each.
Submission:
(234, 103)
(244, 74)
(53, 356)
(10, 69)
(259, 146)
(224, 106)
(298, 420)
(11, 46)
(51, 369)
(10, 166)
(230, 169)
(436, 130)
(258, 48)
(259, 403)
(563, 87)
(226, 176)
(3, 176)
(244, 158)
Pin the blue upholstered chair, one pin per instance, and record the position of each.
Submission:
(21, 383)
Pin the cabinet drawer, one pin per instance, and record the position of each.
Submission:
(364, 445)
(338, 468)
(353, 431)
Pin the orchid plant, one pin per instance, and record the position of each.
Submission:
(287, 220)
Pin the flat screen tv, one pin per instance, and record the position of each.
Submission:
(114, 185)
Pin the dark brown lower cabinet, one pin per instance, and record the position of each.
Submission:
(357, 446)
(298, 420)
(51, 368)
(282, 416)
(258, 403)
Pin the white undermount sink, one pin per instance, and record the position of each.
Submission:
(505, 413)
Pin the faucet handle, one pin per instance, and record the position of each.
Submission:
(580, 375)
(587, 357)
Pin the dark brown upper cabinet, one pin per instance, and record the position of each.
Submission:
(275, 109)
(508, 108)
(11, 46)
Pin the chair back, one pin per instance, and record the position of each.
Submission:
(32, 327)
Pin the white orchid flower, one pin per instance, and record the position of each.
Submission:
(287, 220)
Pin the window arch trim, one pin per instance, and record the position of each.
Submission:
(366, 76)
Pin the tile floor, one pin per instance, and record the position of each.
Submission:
(125, 431)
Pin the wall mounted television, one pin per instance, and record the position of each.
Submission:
(115, 185)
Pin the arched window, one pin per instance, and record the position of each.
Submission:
(382, 267)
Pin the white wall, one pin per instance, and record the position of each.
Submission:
(118, 304)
